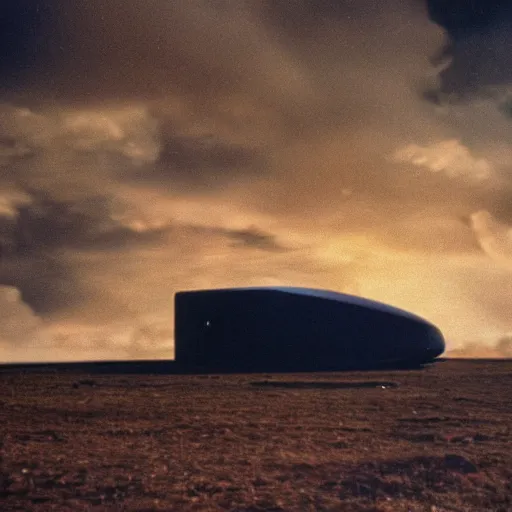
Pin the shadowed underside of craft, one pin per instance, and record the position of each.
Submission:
(296, 329)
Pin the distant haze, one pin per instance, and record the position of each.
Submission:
(149, 147)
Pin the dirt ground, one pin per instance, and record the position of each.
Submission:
(437, 439)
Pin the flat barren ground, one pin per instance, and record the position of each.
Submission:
(437, 439)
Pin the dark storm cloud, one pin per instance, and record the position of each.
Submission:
(202, 162)
(100, 50)
(21, 37)
(251, 237)
(138, 140)
(254, 237)
(328, 74)
(478, 53)
(35, 238)
(303, 20)
(272, 73)
(47, 224)
(202, 51)
(46, 283)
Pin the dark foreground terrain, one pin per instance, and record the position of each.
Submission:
(437, 439)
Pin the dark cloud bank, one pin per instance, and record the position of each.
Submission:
(149, 147)
(478, 49)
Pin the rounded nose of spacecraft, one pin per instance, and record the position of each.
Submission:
(436, 344)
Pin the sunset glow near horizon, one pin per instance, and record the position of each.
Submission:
(150, 147)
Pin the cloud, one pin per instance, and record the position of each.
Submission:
(494, 238)
(501, 349)
(201, 163)
(449, 157)
(147, 150)
(18, 321)
(43, 239)
(254, 237)
(476, 59)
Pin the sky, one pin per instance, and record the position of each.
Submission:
(150, 147)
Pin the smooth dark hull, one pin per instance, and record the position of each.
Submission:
(275, 330)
